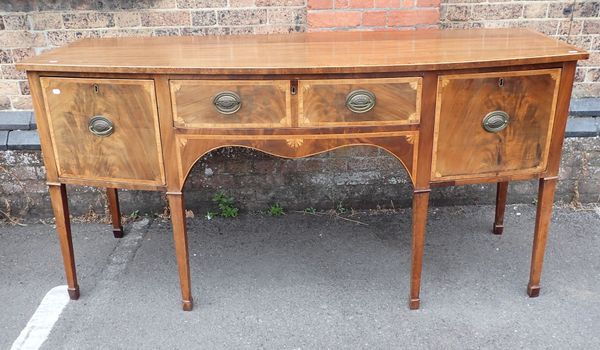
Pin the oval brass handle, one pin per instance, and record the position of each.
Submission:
(101, 126)
(360, 101)
(227, 102)
(495, 121)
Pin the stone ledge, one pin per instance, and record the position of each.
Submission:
(17, 120)
(23, 140)
(582, 127)
(585, 107)
(3, 140)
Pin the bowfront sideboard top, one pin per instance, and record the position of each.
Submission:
(453, 107)
(307, 53)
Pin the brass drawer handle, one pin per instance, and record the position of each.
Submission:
(101, 126)
(227, 102)
(360, 101)
(495, 121)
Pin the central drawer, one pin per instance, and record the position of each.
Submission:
(355, 102)
(231, 103)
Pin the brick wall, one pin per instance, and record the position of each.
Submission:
(30, 27)
(577, 22)
(356, 177)
(372, 14)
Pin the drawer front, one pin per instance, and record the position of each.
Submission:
(231, 104)
(351, 102)
(104, 129)
(494, 123)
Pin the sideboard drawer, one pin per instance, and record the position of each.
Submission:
(231, 103)
(493, 124)
(352, 102)
(104, 129)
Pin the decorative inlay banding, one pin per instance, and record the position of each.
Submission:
(294, 143)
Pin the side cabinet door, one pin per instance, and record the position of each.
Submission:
(104, 129)
(493, 124)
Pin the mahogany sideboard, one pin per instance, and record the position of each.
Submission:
(454, 107)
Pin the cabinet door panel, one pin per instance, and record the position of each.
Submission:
(130, 153)
(462, 146)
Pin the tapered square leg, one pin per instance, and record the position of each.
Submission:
(177, 207)
(60, 206)
(542, 223)
(419, 223)
(115, 212)
(501, 194)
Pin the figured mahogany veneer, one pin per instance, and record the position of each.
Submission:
(264, 104)
(323, 102)
(454, 107)
(399, 144)
(130, 104)
(463, 149)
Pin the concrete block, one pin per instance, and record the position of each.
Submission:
(32, 122)
(23, 140)
(585, 107)
(15, 120)
(582, 127)
(3, 140)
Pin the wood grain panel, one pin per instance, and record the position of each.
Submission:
(265, 104)
(323, 102)
(567, 77)
(463, 149)
(402, 145)
(426, 129)
(131, 154)
(308, 53)
(43, 127)
(167, 131)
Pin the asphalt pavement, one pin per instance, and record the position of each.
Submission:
(306, 281)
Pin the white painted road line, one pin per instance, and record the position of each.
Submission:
(40, 324)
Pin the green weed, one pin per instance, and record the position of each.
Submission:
(275, 210)
(226, 206)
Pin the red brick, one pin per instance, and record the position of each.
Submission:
(413, 17)
(387, 3)
(329, 19)
(342, 4)
(428, 3)
(320, 4)
(361, 4)
(408, 3)
(374, 18)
